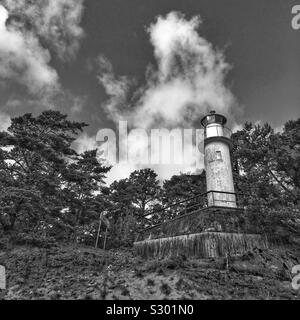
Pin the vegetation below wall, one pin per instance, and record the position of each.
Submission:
(72, 272)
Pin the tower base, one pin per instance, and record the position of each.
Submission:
(200, 245)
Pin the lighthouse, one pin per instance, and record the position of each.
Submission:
(217, 161)
(212, 230)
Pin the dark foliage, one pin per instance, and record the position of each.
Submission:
(50, 193)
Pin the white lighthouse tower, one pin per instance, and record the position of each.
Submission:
(217, 161)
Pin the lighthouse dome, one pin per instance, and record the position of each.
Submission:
(213, 118)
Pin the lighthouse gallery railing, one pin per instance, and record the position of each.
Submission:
(193, 215)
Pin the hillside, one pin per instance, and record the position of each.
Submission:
(69, 272)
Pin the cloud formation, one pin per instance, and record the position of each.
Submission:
(4, 121)
(31, 32)
(56, 22)
(84, 143)
(117, 89)
(187, 82)
(189, 79)
(23, 59)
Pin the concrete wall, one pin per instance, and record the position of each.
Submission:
(219, 173)
(200, 245)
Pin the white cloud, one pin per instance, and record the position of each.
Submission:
(119, 171)
(84, 143)
(189, 79)
(30, 33)
(24, 60)
(116, 88)
(237, 127)
(57, 22)
(188, 82)
(5, 121)
(279, 129)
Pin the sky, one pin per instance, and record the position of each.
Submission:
(154, 63)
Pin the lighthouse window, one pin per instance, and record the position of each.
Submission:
(210, 119)
(219, 119)
(219, 155)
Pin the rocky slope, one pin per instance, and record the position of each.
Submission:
(85, 273)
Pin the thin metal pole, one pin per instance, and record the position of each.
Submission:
(98, 233)
(104, 245)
